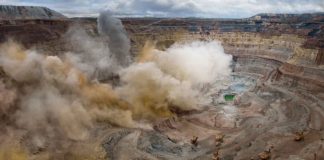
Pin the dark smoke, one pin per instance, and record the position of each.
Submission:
(119, 43)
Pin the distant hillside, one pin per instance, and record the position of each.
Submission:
(305, 17)
(28, 12)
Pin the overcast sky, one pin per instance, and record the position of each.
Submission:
(176, 8)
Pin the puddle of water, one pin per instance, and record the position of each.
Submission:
(229, 97)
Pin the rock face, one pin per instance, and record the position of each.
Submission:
(8, 12)
(278, 61)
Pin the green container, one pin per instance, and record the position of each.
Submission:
(229, 97)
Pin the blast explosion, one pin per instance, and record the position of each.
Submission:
(57, 100)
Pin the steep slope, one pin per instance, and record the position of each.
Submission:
(8, 12)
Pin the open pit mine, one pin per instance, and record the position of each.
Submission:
(160, 88)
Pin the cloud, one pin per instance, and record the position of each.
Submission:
(176, 8)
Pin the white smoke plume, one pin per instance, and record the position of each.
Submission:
(197, 62)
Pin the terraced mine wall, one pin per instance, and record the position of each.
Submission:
(284, 56)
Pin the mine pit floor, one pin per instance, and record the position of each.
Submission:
(260, 118)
